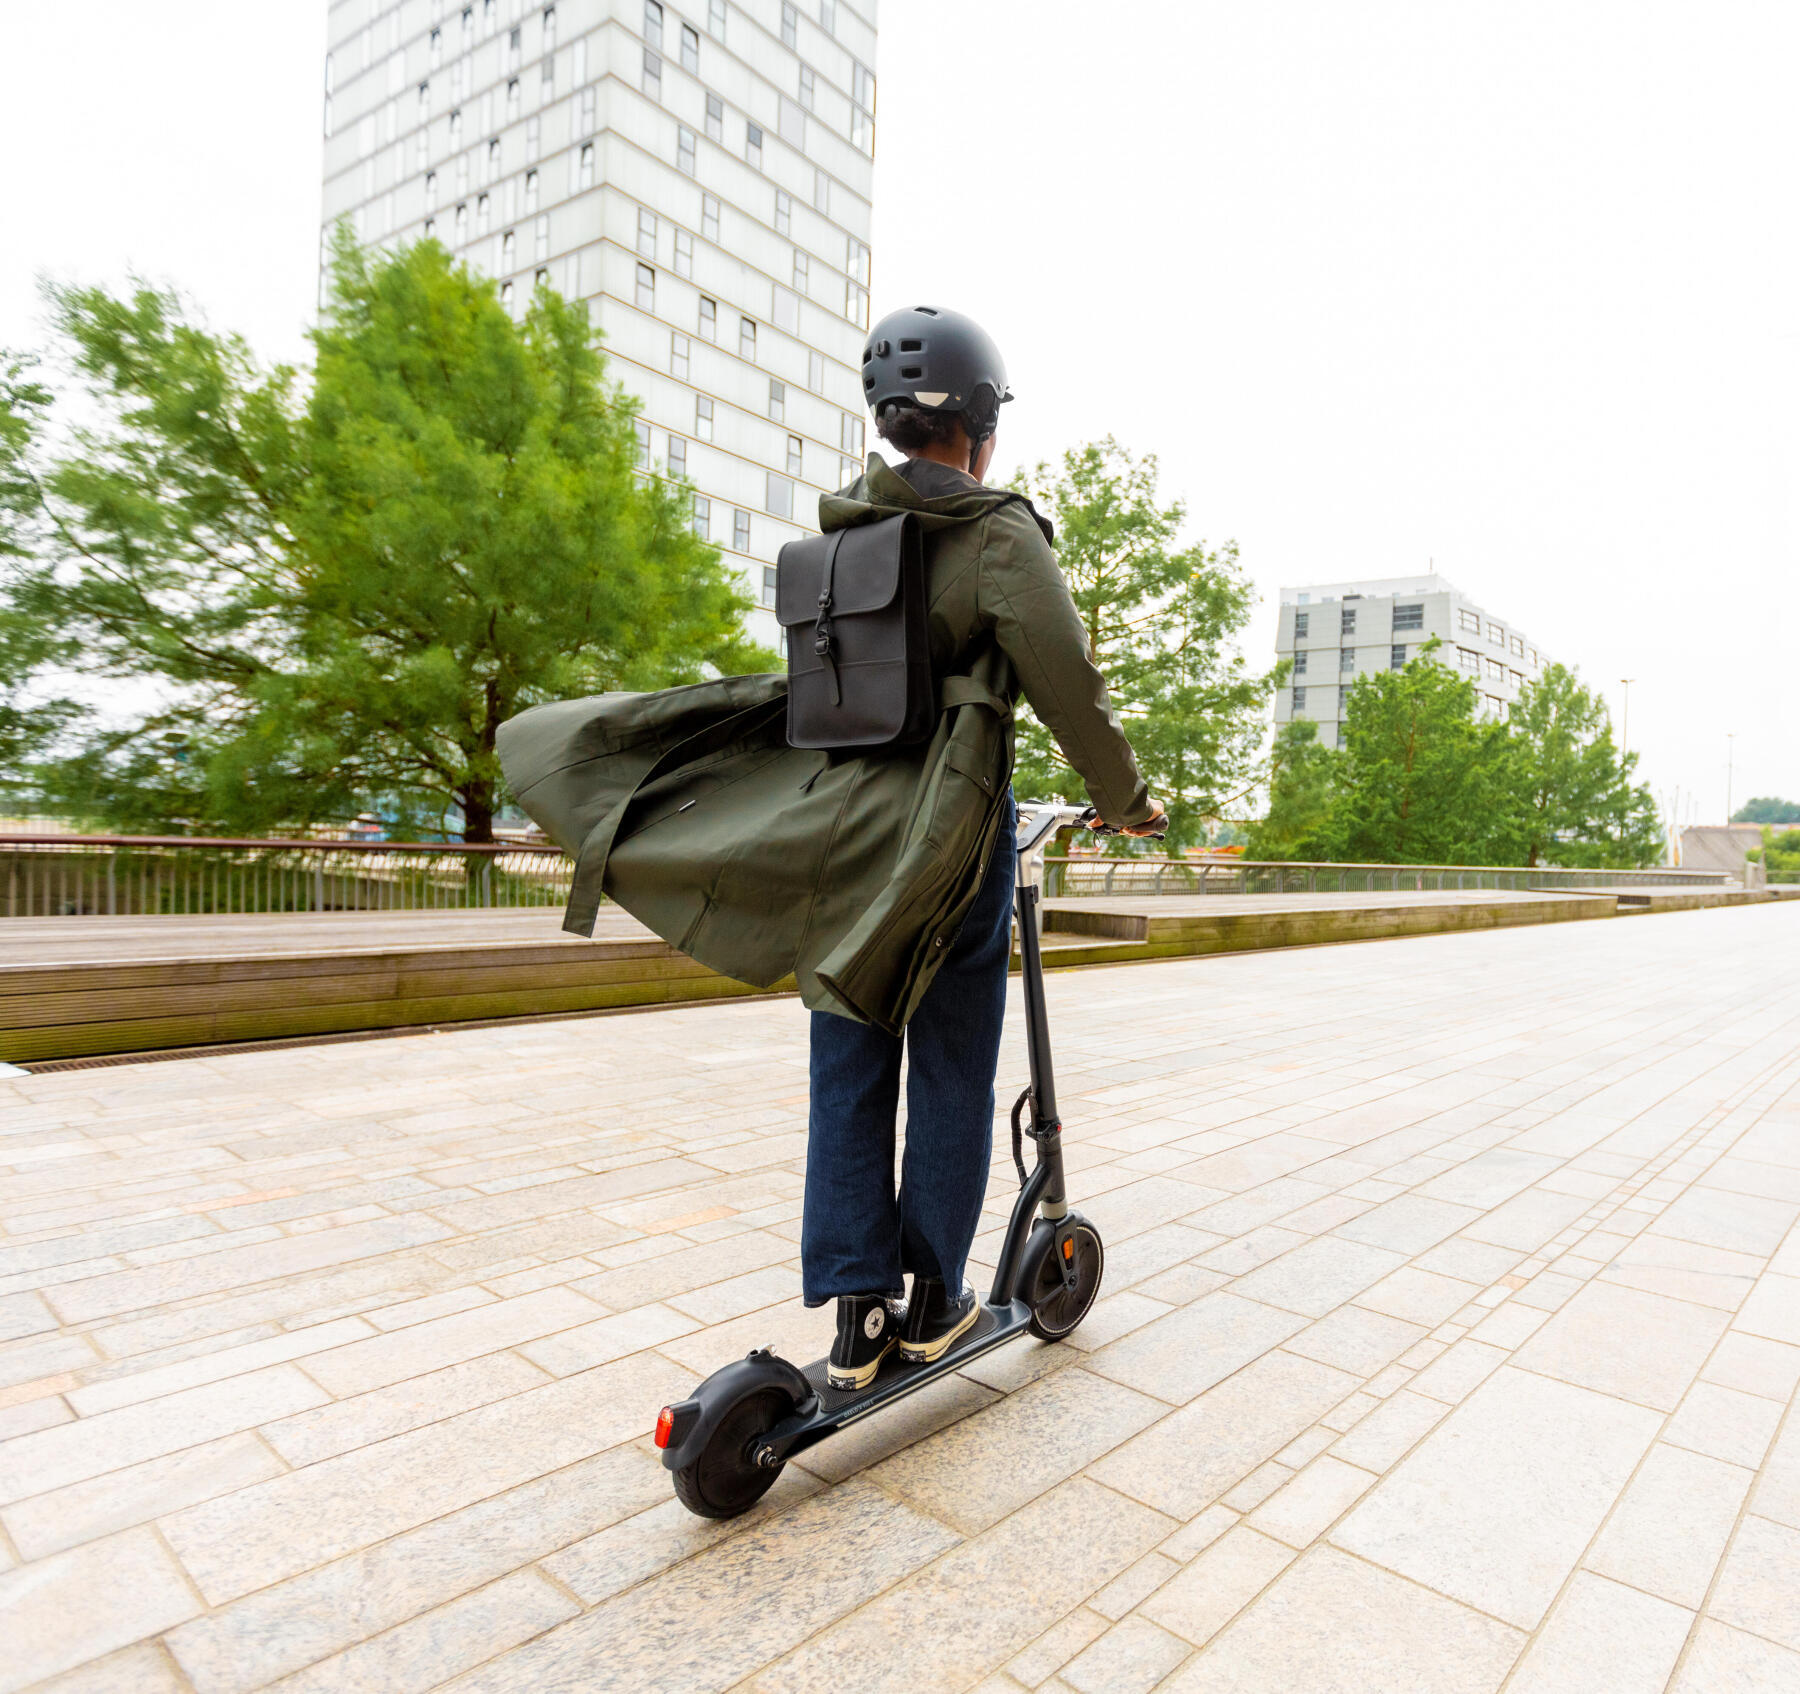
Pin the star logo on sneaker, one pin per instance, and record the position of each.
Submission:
(873, 1322)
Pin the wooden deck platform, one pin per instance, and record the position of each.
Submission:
(80, 987)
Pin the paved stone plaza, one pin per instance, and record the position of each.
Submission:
(1451, 1320)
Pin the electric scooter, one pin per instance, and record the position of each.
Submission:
(728, 1444)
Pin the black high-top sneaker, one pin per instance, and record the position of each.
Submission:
(868, 1325)
(934, 1320)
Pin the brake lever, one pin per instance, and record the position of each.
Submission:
(1088, 816)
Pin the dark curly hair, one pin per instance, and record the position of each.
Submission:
(912, 429)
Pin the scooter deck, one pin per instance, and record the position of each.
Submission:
(837, 1407)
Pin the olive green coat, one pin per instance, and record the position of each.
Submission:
(851, 872)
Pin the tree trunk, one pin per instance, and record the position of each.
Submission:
(478, 812)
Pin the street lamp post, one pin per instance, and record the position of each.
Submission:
(1625, 719)
(1730, 752)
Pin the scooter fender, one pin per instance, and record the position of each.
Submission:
(695, 1419)
(1040, 1242)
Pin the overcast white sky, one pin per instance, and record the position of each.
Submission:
(1514, 287)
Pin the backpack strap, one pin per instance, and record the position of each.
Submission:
(966, 691)
(822, 636)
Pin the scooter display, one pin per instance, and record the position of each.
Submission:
(727, 1444)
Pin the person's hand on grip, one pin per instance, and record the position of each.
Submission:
(1156, 824)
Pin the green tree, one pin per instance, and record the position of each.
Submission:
(1780, 853)
(1574, 798)
(346, 584)
(1422, 782)
(1162, 619)
(1304, 778)
(1767, 810)
(30, 720)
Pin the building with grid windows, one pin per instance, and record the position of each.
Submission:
(1337, 631)
(699, 172)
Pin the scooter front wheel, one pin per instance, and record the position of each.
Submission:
(725, 1479)
(1056, 1306)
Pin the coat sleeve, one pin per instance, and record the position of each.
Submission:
(1024, 599)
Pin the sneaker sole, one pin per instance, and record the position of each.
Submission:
(848, 1381)
(924, 1352)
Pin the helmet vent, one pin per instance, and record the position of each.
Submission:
(912, 346)
(929, 311)
(912, 371)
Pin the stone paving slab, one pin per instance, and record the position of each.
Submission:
(1450, 1342)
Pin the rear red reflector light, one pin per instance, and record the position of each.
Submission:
(665, 1425)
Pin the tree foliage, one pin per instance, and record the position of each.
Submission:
(1162, 619)
(1779, 853)
(1767, 810)
(342, 585)
(1420, 779)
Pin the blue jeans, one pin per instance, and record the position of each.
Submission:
(856, 1236)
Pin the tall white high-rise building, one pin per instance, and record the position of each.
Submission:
(1333, 632)
(699, 172)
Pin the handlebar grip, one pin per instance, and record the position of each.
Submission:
(1107, 829)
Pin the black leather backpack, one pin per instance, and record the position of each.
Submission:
(852, 605)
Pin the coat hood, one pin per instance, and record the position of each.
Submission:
(881, 491)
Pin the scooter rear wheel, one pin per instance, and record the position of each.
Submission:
(724, 1480)
(1056, 1309)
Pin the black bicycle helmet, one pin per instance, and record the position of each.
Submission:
(938, 361)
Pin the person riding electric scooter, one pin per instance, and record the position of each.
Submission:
(998, 607)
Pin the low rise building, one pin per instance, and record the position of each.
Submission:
(1337, 631)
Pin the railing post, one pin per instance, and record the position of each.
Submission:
(318, 888)
(112, 887)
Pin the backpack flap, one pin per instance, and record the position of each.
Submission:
(851, 606)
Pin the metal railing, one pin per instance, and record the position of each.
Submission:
(1093, 874)
(131, 875)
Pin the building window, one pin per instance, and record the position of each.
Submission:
(506, 298)
(1301, 619)
(1347, 621)
(653, 22)
(1299, 701)
(1471, 621)
(540, 278)
(1517, 680)
(1346, 658)
(777, 400)
(651, 81)
(1409, 617)
(790, 25)
(747, 339)
(534, 139)
(709, 318)
(709, 217)
(690, 49)
(1468, 660)
(549, 29)
(462, 224)
(1396, 658)
(646, 288)
(515, 49)
(677, 456)
(435, 55)
(715, 118)
(431, 184)
(786, 310)
(821, 190)
(809, 91)
(715, 17)
(493, 160)
(703, 417)
(794, 451)
(848, 471)
(481, 214)
(540, 241)
(862, 109)
(1495, 670)
(856, 304)
(740, 533)
(802, 270)
(585, 175)
(588, 105)
(784, 211)
(1518, 646)
(1497, 635)
(703, 517)
(430, 228)
(512, 101)
(792, 123)
(779, 498)
(856, 260)
(680, 352)
(850, 433)
(646, 240)
(1531, 655)
(1300, 663)
(531, 191)
(509, 251)
(815, 370)
(753, 145)
(686, 151)
(769, 580)
(684, 253)
(828, 16)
